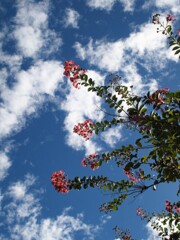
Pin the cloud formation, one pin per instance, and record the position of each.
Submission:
(5, 164)
(167, 6)
(128, 5)
(71, 18)
(27, 94)
(21, 209)
(31, 29)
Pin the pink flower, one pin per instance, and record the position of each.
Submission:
(162, 91)
(73, 72)
(177, 209)
(156, 96)
(91, 161)
(141, 213)
(84, 129)
(130, 176)
(83, 162)
(169, 17)
(94, 165)
(60, 182)
(135, 177)
(169, 207)
(179, 32)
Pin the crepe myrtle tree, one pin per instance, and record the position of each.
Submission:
(152, 159)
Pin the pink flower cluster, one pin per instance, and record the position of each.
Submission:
(91, 161)
(84, 129)
(73, 72)
(140, 212)
(169, 18)
(170, 207)
(60, 182)
(141, 120)
(156, 96)
(135, 177)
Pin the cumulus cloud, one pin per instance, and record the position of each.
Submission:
(71, 18)
(167, 6)
(101, 4)
(143, 47)
(28, 89)
(128, 5)
(80, 105)
(21, 211)
(27, 94)
(112, 136)
(31, 29)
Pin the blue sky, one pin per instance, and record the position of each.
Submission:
(39, 108)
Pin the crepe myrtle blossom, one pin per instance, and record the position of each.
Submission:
(170, 206)
(124, 235)
(140, 120)
(135, 177)
(91, 161)
(156, 96)
(84, 129)
(60, 182)
(140, 212)
(169, 18)
(73, 72)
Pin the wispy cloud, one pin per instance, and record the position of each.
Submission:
(31, 29)
(27, 94)
(168, 6)
(143, 47)
(71, 18)
(21, 211)
(107, 5)
(112, 136)
(29, 88)
(5, 164)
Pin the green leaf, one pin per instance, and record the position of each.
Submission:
(138, 143)
(115, 208)
(178, 51)
(128, 166)
(175, 48)
(137, 165)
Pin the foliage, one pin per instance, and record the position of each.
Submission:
(152, 159)
(167, 29)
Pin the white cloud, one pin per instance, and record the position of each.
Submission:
(107, 5)
(5, 164)
(167, 6)
(81, 105)
(27, 94)
(101, 4)
(31, 29)
(144, 47)
(112, 136)
(105, 55)
(71, 18)
(128, 5)
(21, 214)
